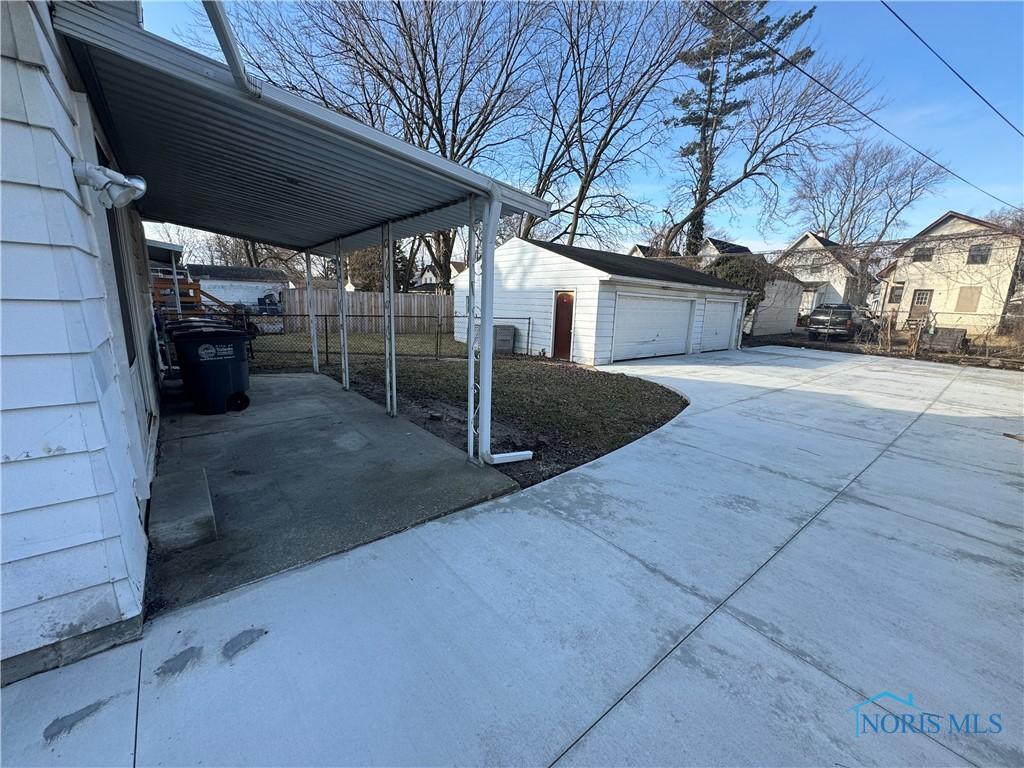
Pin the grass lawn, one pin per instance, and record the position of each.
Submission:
(566, 414)
(292, 351)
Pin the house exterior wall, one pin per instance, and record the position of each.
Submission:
(526, 278)
(240, 291)
(78, 422)
(828, 282)
(778, 310)
(948, 273)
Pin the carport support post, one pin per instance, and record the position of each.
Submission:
(339, 260)
(314, 342)
(471, 332)
(388, 274)
(492, 214)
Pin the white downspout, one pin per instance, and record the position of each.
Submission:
(229, 47)
(492, 214)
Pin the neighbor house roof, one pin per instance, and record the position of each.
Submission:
(955, 215)
(219, 272)
(649, 250)
(724, 246)
(626, 266)
(822, 242)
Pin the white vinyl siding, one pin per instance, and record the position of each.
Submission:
(778, 310)
(240, 291)
(77, 452)
(526, 279)
(649, 326)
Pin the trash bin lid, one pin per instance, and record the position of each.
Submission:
(205, 334)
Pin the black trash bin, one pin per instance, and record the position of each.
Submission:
(214, 367)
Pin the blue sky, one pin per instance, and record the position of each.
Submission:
(927, 105)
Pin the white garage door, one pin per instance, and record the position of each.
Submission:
(647, 326)
(719, 325)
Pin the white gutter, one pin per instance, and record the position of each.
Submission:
(492, 214)
(229, 47)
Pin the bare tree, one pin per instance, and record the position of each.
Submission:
(861, 196)
(785, 118)
(453, 78)
(599, 107)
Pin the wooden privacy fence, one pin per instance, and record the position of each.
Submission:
(414, 312)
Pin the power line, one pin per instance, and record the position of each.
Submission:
(950, 67)
(857, 109)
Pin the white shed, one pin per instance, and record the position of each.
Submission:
(240, 285)
(596, 307)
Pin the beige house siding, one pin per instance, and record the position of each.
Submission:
(968, 296)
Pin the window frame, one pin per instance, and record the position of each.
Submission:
(901, 288)
(922, 255)
(973, 260)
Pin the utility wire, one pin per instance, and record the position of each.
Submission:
(950, 67)
(857, 109)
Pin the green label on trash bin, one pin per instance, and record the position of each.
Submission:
(216, 351)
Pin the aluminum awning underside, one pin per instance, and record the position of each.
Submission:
(275, 169)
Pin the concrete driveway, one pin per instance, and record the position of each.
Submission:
(816, 530)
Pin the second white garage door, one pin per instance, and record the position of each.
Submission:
(648, 326)
(719, 325)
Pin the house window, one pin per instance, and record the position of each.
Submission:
(896, 293)
(922, 254)
(978, 254)
(922, 298)
(967, 299)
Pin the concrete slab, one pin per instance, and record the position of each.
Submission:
(818, 562)
(180, 511)
(730, 697)
(79, 715)
(902, 606)
(484, 638)
(288, 487)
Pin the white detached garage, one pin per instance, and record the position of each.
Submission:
(597, 307)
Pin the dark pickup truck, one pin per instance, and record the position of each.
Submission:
(841, 320)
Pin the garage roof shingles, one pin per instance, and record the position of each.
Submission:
(620, 265)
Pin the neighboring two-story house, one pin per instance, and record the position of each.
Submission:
(958, 272)
(812, 260)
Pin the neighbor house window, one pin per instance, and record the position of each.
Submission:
(967, 299)
(896, 293)
(922, 254)
(978, 254)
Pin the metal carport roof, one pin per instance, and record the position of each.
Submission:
(276, 169)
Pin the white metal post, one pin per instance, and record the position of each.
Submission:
(492, 214)
(312, 316)
(177, 291)
(391, 322)
(342, 311)
(384, 317)
(471, 332)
